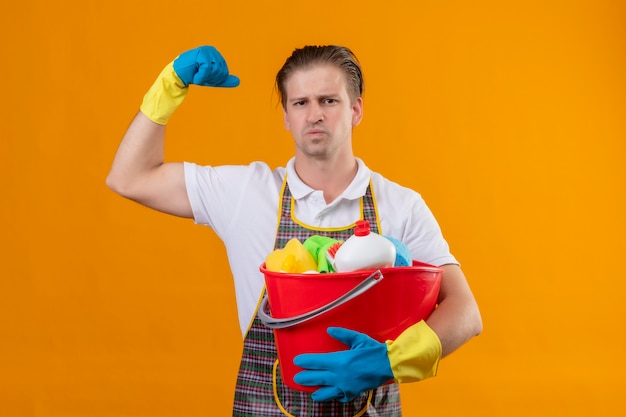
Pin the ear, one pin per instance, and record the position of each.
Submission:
(357, 111)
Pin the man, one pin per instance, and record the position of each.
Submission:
(323, 190)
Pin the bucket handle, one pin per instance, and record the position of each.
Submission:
(281, 323)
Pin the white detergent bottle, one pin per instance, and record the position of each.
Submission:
(364, 250)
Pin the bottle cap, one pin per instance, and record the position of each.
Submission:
(362, 228)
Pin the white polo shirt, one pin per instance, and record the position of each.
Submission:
(240, 203)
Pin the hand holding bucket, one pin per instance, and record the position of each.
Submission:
(303, 306)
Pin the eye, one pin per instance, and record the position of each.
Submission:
(329, 101)
(299, 103)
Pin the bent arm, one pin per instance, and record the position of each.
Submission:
(457, 318)
(139, 173)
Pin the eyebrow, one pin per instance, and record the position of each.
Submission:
(318, 96)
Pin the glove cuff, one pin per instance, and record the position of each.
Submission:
(415, 354)
(165, 95)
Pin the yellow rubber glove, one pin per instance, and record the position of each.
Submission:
(165, 95)
(367, 364)
(415, 354)
(203, 66)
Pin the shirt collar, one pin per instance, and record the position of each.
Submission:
(355, 190)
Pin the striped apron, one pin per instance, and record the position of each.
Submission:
(260, 391)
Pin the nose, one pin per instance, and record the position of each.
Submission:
(314, 113)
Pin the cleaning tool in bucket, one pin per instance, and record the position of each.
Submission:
(379, 303)
(403, 254)
(293, 258)
(364, 250)
(318, 246)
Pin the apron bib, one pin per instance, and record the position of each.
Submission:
(260, 391)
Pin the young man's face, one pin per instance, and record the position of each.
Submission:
(319, 112)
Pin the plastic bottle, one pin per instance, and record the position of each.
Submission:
(364, 250)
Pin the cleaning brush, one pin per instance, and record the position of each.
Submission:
(330, 253)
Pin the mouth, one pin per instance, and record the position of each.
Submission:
(314, 132)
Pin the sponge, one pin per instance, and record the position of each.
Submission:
(318, 247)
(403, 254)
(293, 258)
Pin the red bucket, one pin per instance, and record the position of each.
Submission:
(380, 303)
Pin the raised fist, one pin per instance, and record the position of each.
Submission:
(204, 66)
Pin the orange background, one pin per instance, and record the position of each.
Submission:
(508, 117)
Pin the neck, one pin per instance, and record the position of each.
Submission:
(330, 177)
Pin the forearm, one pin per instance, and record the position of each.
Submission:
(457, 318)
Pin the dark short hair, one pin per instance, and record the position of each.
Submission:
(307, 56)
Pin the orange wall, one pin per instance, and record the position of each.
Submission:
(507, 116)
